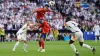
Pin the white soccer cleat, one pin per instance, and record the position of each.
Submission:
(13, 50)
(43, 50)
(39, 48)
(25, 50)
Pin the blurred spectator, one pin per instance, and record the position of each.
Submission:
(2, 33)
(96, 29)
(55, 33)
(60, 36)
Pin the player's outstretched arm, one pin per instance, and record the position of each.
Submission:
(32, 28)
(34, 11)
(54, 11)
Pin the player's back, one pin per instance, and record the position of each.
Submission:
(73, 26)
(40, 13)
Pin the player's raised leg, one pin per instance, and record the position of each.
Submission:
(87, 46)
(81, 42)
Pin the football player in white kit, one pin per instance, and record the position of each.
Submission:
(21, 35)
(76, 34)
(96, 29)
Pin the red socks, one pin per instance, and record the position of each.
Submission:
(41, 44)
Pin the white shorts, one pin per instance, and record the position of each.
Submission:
(21, 36)
(97, 33)
(78, 36)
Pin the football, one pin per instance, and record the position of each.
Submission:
(51, 3)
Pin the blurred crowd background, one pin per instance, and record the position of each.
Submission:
(14, 13)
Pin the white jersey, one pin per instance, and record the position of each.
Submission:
(23, 30)
(96, 29)
(73, 26)
(77, 33)
(21, 34)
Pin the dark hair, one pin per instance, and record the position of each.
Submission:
(46, 5)
(68, 19)
(40, 21)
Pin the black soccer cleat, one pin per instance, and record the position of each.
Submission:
(77, 54)
(94, 50)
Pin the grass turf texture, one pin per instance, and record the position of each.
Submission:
(53, 48)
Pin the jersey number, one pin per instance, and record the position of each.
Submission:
(74, 24)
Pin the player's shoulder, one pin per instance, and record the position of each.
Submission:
(24, 25)
(39, 9)
(68, 22)
(73, 22)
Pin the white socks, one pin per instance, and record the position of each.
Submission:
(17, 43)
(25, 45)
(84, 45)
(74, 48)
(87, 46)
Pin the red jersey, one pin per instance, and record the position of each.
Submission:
(45, 27)
(41, 13)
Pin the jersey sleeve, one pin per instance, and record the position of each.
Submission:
(66, 24)
(40, 25)
(40, 9)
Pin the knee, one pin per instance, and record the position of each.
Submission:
(71, 42)
(41, 39)
(81, 43)
(19, 40)
(25, 42)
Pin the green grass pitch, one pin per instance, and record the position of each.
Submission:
(53, 48)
